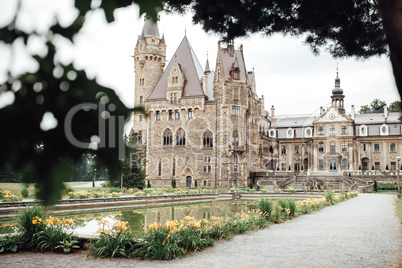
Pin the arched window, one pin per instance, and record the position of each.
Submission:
(235, 138)
(207, 139)
(180, 137)
(167, 137)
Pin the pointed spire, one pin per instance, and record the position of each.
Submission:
(163, 39)
(207, 69)
(337, 88)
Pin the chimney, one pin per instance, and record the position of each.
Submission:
(385, 112)
(262, 105)
(352, 114)
(272, 111)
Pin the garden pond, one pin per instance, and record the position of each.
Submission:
(87, 220)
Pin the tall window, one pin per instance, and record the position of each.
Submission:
(332, 129)
(142, 82)
(170, 115)
(235, 93)
(235, 138)
(180, 137)
(167, 137)
(236, 75)
(207, 139)
(190, 113)
(321, 147)
(344, 129)
(235, 161)
(141, 99)
(376, 147)
(283, 150)
(332, 147)
(321, 164)
(140, 118)
(174, 167)
(344, 146)
(171, 98)
(364, 147)
(207, 164)
(392, 148)
(177, 115)
(297, 149)
(160, 168)
(158, 115)
(320, 130)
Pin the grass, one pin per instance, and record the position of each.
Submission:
(16, 188)
(399, 208)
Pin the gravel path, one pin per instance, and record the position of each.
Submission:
(361, 232)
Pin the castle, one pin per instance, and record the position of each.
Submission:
(211, 129)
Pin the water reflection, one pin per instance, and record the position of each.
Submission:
(87, 225)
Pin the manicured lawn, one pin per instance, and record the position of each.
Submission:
(15, 188)
(399, 209)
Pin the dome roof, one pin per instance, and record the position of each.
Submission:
(337, 89)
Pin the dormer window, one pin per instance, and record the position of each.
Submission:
(153, 41)
(236, 75)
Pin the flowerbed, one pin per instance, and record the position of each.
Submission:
(173, 239)
(6, 196)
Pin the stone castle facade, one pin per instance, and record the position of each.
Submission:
(211, 128)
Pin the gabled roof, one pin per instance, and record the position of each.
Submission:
(191, 69)
(229, 60)
(297, 121)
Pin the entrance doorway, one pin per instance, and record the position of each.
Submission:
(305, 164)
(332, 166)
(365, 163)
(272, 165)
(188, 181)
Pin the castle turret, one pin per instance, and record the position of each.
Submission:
(149, 62)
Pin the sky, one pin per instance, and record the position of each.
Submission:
(287, 73)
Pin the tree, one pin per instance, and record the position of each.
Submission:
(375, 106)
(132, 169)
(67, 96)
(395, 106)
(345, 28)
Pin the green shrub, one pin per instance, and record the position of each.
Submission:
(173, 183)
(375, 186)
(25, 192)
(113, 241)
(329, 197)
(251, 184)
(56, 236)
(114, 190)
(9, 243)
(160, 244)
(195, 183)
(31, 222)
(386, 186)
(292, 207)
(386, 167)
(148, 184)
(265, 205)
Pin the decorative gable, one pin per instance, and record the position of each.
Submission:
(175, 83)
(331, 115)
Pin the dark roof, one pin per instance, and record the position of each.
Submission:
(191, 69)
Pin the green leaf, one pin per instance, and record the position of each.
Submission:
(150, 7)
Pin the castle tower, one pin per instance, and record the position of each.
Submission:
(149, 61)
(337, 94)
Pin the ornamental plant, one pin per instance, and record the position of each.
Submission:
(114, 240)
(30, 223)
(57, 234)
